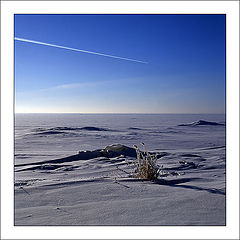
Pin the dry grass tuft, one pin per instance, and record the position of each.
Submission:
(146, 166)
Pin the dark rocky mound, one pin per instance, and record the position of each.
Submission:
(117, 150)
(109, 152)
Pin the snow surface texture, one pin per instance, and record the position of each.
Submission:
(74, 170)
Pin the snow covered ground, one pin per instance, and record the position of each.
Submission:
(65, 176)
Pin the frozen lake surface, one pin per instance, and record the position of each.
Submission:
(54, 185)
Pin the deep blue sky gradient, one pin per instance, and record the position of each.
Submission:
(185, 71)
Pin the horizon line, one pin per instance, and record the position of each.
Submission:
(103, 113)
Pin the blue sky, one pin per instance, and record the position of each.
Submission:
(185, 70)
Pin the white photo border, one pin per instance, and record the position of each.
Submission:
(9, 8)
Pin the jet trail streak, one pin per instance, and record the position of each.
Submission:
(77, 50)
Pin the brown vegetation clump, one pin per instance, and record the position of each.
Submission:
(146, 166)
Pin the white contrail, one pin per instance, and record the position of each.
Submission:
(78, 50)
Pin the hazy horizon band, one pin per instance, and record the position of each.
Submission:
(78, 50)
